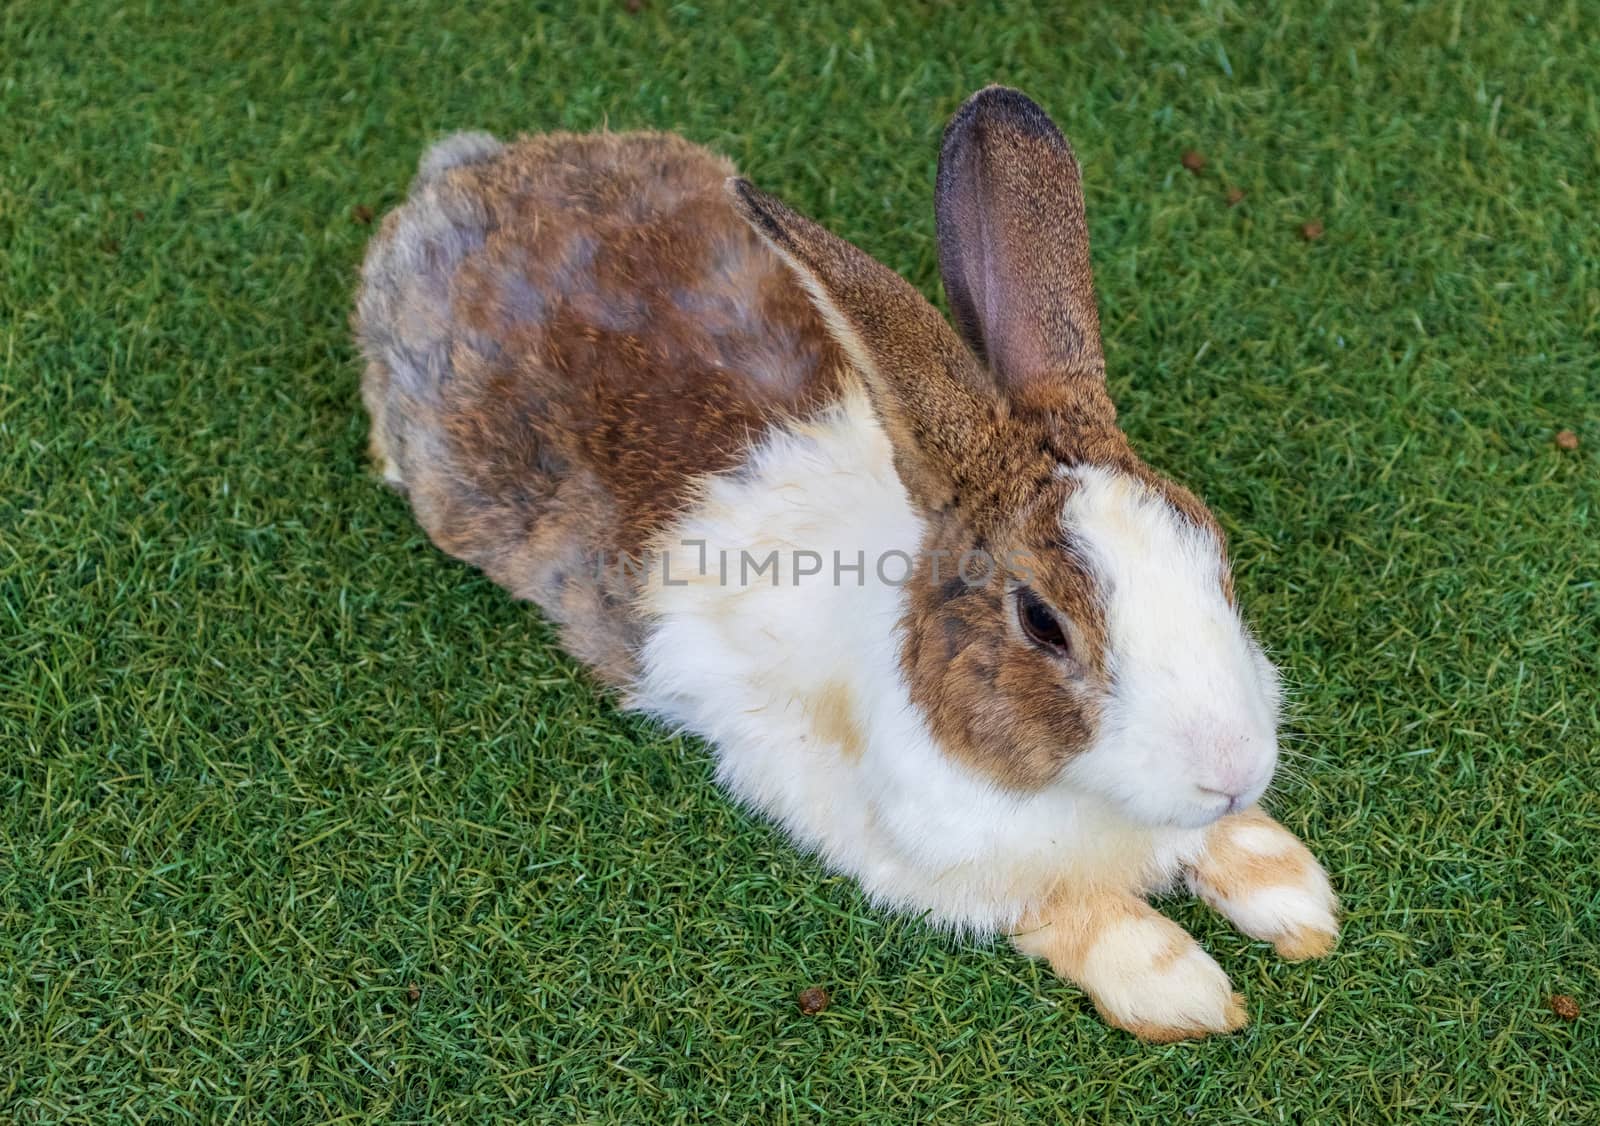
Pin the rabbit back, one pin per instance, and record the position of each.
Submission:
(563, 335)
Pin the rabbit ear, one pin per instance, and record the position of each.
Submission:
(1014, 248)
(937, 404)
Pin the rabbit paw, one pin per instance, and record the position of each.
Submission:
(1263, 880)
(1154, 981)
(1144, 973)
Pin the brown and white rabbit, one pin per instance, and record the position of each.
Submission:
(934, 615)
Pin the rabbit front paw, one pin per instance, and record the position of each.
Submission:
(1263, 880)
(1144, 973)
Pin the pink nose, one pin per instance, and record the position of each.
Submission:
(1231, 764)
(1239, 782)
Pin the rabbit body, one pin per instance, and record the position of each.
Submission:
(719, 447)
(558, 325)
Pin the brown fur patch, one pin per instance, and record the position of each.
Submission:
(996, 701)
(1063, 931)
(833, 719)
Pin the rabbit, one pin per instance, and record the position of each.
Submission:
(910, 582)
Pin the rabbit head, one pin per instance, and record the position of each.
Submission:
(1071, 619)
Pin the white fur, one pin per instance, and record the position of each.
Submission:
(1191, 730)
(1125, 971)
(1263, 840)
(1279, 910)
(743, 664)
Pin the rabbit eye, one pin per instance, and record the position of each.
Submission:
(1040, 624)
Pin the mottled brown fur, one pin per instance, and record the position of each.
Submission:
(562, 334)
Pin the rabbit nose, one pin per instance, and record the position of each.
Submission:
(1230, 763)
(1239, 782)
(1236, 798)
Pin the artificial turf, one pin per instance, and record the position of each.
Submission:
(302, 821)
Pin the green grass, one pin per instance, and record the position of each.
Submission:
(301, 821)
